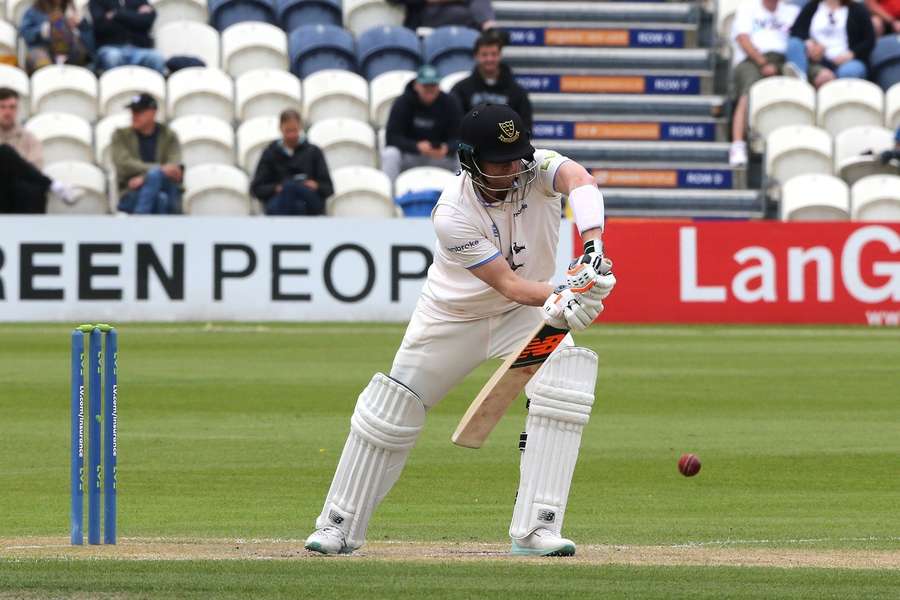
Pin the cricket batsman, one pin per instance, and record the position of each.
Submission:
(497, 226)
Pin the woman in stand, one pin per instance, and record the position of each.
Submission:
(52, 33)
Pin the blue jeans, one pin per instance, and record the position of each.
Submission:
(109, 57)
(295, 199)
(158, 196)
(796, 54)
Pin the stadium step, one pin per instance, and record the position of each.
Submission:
(615, 81)
(667, 175)
(590, 60)
(586, 151)
(626, 104)
(557, 10)
(600, 34)
(695, 204)
(657, 127)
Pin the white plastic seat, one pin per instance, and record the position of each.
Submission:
(220, 190)
(845, 103)
(892, 107)
(779, 101)
(448, 81)
(15, 10)
(88, 180)
(103, 133)
(419, 179)
(172, 11)
(345, 142)
(266, 92)
(119, 85)
(188, 38)
(815, 198)
(857, 150)
(383, 90)
(201, 91)
(7, 38)
(253, 45)
(360, 192)
(252, 138)
(360, 15)
(798, 150)
(876, 198)
(204, 140)
(65, 88)
(332, 93)
(16, 79)
(63, 137)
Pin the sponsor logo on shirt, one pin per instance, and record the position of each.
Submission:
(463, 247)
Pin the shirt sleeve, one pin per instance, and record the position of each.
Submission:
(548, 162)
(743, 20)
(461, 241)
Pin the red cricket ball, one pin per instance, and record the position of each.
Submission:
(688, 465)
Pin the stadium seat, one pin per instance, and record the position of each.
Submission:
(383, 49)
(103, 133)
(779, 101)
(216, 190)
(292, 14)
(449, 49)
(201, 91)
(876, 198)
(361, 15)
(345, 142)
(798, 150)
(8, 36)
(815, 198)
(250, 46)
(171, 11)
(15, 10)
(204, 140)
(857, 150)
(725, 12)
(885, 61)
(892, 107)
(63, 136)
(360, 192)
(16, 79)
(225, 13)
(266, 92)
(383, 90)
(117, 86)
(317, 47)
(448, 81)
(90, 182)
(420, 179)
(252, 138)
(187, 38)
(845, 103)
(66, 89)
(335, 94)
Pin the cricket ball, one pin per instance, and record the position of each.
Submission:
(688, 465)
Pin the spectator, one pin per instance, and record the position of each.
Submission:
(292, 176)
(52, 33)
(892, 156)
(885, 16)
(122, 34)
(491, 82)
(422, 127)
(147, 159)
(760, 33)
(23, 188)
(829, 39)
(476, 14)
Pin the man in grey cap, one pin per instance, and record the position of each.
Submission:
(422, 127)
(147, 159)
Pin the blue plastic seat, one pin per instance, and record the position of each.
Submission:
(449, 49)
(885, 61)
(316, 47)
(224, 13)
(297, 13)
(419, 203)
(387, 48)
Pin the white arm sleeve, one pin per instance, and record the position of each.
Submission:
(587, 206)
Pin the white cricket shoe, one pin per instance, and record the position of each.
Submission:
(543, 542)
(328, 540)
(737, 154)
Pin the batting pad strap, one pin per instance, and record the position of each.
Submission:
(587, 206)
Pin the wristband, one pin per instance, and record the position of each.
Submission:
(587, 206)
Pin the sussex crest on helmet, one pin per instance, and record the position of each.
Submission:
(508, 133)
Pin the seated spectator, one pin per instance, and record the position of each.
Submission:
(23, 188)
(52, 31)
(147, 159)
(760, 33)
(892, 156)
(122, 34)
(491, 82)
(885, 16)
(422, 127)
(830, 39)
(475, 14)
(292, 176)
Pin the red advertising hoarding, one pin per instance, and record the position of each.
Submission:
(766, 272)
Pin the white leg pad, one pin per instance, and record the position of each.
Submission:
(383, 429)
(562, 395)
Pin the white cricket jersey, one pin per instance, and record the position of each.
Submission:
(471, 232)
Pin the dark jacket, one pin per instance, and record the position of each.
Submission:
(276, 167)
(465, 13)
(860, 33)
(126, 155)
(411, 121)
(473, 90)
(127, 26)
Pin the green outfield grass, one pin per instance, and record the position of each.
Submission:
(234, 432)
